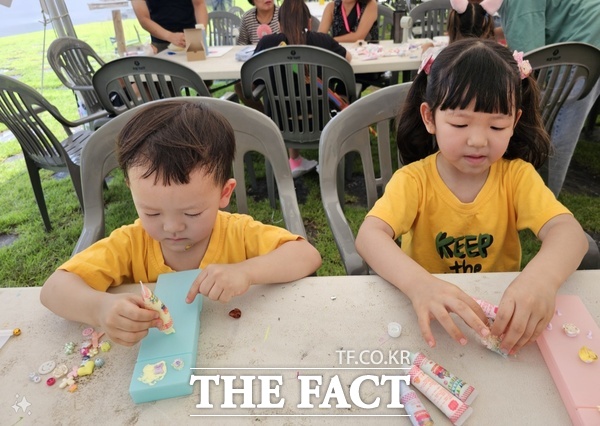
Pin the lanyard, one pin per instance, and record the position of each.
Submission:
(346, 18)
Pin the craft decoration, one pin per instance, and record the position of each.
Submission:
(587, 355)
(489, 341)
(490, 6)
(153, 373)
(154, 303)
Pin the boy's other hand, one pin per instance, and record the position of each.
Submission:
(124, 318)
(220, 282)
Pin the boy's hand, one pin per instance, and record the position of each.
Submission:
(220, 282)
(436, 299)
(124, 318)
(524, 311)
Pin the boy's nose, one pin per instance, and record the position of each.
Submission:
(173, 226)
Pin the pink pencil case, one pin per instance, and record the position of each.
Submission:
(578, 382)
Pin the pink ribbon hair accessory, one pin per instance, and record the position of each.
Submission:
(490, 6)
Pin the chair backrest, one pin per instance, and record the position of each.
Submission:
(253, 132)
(430, 19)
(385, 21)
(350, 131)
(123, 83)
(563, 71)
(75, 62)
(237, 11)
(220, 28)
(24, 111)
(300, 115)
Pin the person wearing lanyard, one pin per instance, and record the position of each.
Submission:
(350, 20)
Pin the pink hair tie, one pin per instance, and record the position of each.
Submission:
(524, 65)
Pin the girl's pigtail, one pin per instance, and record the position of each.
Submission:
(530, 140)
(413, 140)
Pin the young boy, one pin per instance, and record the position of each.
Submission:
(177, 159)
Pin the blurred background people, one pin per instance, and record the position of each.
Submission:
(264, 12)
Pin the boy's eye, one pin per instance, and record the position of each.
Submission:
(460, 126)
(193, 214)
(152, 214)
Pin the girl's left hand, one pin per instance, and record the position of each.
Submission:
(524, 311)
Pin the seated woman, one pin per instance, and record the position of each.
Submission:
(349, 21)
(295, 26)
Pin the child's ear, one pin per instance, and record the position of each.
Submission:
(517, 116)
(226, 193)
(427, 117)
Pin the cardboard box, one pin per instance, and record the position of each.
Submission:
(194, 45)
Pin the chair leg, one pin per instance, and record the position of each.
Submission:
(36, 184)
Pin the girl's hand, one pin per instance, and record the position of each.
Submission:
(436, 299)
(124, 318)
(524, 311)
(220, 282)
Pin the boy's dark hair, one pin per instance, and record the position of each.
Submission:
(480, 70)
(473, 22)
(294, 17)
(174, 138)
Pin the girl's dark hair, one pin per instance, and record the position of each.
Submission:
(480, 70)
(294, 17)
(174, 138)
(473, 22)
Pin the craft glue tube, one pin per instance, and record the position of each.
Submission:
(489, 309)
(452, 407)
(457, 387)
(419, 416)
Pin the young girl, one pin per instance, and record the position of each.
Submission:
(464, 194)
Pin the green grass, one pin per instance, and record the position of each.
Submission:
(35, 254)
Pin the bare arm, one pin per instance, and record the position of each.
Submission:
(431, 297)
(528, 303)
(326, 19)
(143, 15)
(200, 12)
(121, 316)
(290, 261)
(364, 26)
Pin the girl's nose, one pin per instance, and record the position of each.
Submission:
(477, 139)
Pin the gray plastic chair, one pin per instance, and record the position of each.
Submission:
(220, 28)
(301, 115)
(565, 71)
(253, 132)
(26, 113)
(349, 132)
(430, 19)
(237, 11)
(385, 21)
(122, 84)
(75, 62)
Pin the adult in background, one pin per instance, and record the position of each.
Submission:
(349, 21)
(532, 24)
(264, 12)
(166, 20)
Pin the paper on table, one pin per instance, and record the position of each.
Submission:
(4, 336)
(216, 51)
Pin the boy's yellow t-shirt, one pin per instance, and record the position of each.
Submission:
(130, 255)
(444, 235)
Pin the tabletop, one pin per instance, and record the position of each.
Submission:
(314, 326)
(385, 56)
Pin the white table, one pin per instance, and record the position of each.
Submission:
(225, 67)
(284, 328)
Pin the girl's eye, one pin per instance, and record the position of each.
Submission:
(498, 128)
